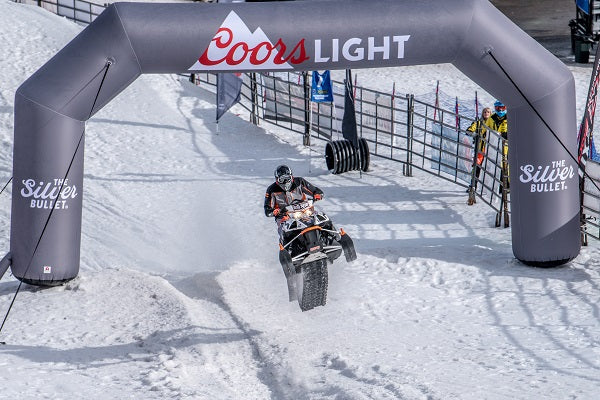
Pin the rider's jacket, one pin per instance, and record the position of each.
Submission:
(276, 197)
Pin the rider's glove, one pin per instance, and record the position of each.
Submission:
(276, 212)
(317, 197)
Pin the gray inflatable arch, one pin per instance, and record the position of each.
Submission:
(129, 39)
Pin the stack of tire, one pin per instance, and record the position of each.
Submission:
(341, 156)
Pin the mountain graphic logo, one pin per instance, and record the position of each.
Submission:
(235, 47)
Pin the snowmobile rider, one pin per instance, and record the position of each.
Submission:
(284, 191)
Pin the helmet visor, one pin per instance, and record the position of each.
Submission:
(284, 179)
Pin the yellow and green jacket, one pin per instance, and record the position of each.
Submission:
(479, 127)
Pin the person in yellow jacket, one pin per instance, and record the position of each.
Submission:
(500, 125)
(499, 122)
(478, 131)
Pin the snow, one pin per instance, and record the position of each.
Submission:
(180, 294)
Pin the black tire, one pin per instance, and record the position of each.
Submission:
(365, 156)
(311, 285)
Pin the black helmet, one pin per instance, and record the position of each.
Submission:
(283, 177)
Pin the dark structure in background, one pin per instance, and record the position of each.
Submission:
(547, 21)
(585, 28)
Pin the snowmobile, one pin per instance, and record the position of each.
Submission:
(310, 243)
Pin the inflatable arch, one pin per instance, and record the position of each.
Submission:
(129, 39)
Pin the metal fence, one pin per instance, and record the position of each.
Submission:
(590, 202)
(80, 11)
(402, 129)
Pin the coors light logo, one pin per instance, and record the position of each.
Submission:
(234, 47)
(46, 195)
(548, 178)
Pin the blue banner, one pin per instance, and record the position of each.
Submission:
(593, 153)
(584, 5)
(321, 90)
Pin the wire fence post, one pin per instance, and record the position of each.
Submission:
(475, 166)
(356, 104)
(504, 185)
(376, 121)
(583, 229)
(276, 101)
(505, 182)
(410, 109)
(392, 124)
(582, 217)
(457, 156)
(306, 139)
(254, 96)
